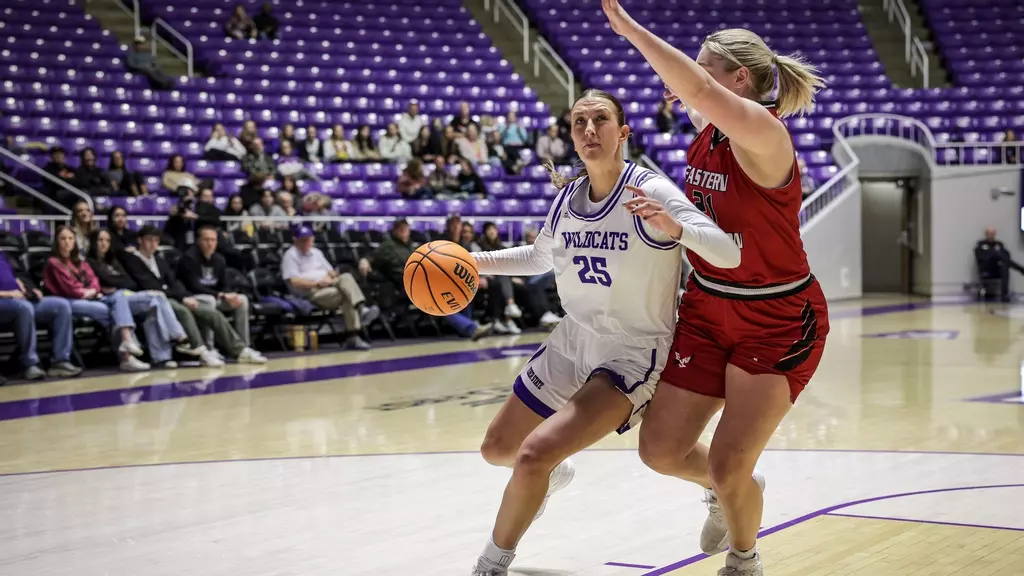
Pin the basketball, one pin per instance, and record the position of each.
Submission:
(441, 278)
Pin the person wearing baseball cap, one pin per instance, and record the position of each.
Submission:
(310, 276)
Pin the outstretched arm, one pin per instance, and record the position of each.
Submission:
(519, 261)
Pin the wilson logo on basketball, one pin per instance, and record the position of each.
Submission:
(466, 275)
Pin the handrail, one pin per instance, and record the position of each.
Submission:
(519, 21)
(26, 164)
(133, 12)
(844, 181)
(550, 58)
(914, 52)
(34, 193)
(188, 57)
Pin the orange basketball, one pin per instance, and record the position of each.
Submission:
(441, 278)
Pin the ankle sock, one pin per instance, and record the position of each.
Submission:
(499, 556)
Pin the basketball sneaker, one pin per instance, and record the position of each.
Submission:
(714, 538)
(485, 567)
(561, 476)
(736, 566)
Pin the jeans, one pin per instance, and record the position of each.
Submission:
(23, 315)
(161, 326)
(240, 314)
(463, 322)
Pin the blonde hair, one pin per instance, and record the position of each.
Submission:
(557, 179)
(798, 80)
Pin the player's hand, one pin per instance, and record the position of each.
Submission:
(653, 213)
(618, 18)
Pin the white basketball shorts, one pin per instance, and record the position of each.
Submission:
(572, 355)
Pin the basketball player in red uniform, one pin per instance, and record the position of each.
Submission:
(748, 338)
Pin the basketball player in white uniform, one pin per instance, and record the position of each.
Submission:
(614, 238)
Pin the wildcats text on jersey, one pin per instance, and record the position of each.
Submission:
(707, 180)
(596, 239)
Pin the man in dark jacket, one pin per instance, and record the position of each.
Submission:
(994, 262)
(62, 171)
(152, 272)
(203, 271)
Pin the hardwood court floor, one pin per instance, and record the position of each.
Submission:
(904, 456)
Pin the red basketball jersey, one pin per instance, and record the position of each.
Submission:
(763, 222)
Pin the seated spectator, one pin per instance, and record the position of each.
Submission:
(312, 148)
(441, 182)
(140, 61)
(994, 262)
(450, 145)
(220, 146)
(82, 224)
(188, 215)
(257, 164)
(487, 126)
(514, 136)
(535, 288)
(113, 278)
(248, 134)
(268, 208)
(807, 184)
(463, 120)
(240, 26)
(126, 182)
(412, 184)
(311, 277)
(500, 297)
(564, 124)
(63, 172)
(90, 178)
(122, 238)
(364, 149)
(1010, 152)
(498, 157)
(266, 23)
(291, 186)
(472, 147)
(175, 176)
(338, 148)
(236, 209)
(467, 238)
(287, 203)
(317, 204)
(392, 147)
(68, 276)
(551, 148)
(287, 135)
(202, 270)
(21, 308)
(664, 118)
(425, 147)
(289, 165)
(411, 123)
(470, 183)
(152, 273)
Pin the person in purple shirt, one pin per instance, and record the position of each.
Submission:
(21, 307)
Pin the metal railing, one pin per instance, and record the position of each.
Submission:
(539, 51)
(133, 12)
(914, 52)
(34, 193)
(846, 180)
(48, 177)
(188, 56)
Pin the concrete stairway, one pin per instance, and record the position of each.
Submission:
(890, 43)
(113, 18)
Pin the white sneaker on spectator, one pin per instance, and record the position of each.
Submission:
(354, 342)
(512, 310)
(187, 349)
(369, 314)
(129, 347)
(550, 319)
(250, 356)
(209, 358)
(501, 327)
(481, 331)
(133, 364)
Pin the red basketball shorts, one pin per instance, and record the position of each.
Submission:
(783, 335)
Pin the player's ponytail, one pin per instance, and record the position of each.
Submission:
(557, 179)
(798, 82)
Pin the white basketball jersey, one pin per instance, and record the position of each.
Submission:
(615, 274)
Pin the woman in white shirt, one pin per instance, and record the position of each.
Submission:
(472, 147)
(392, 147)
(220, 146)
(337, 148)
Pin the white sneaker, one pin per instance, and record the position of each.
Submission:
(250, 356)
(512, 310)
(512, 327)
(561, 476)
(208, 358)
(714, 538)
(736, 566)
(549, 319)
(133, 364)
(499, 327)
(485, 567)
(129, 347)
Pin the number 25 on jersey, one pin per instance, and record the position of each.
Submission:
(593, 270)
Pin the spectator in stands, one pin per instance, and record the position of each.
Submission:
(290, 185)
(189, 214)
(221, 146)
(176, 176)
(312, 148)
(62, 171)
(564, 124)
(248, 134)
(363, 147)
(513, 136)
(21, 308)
(67, 275)
(1009, 155)
(470, 183)
(449, 145)
(551, 148)
(257, 164)
(500, 298)
(236, 209)
(88, 176)
(152, 273)
(411, 123)
(425, 147)
(287, 203)
(463, 120)
(487, 127)
(240, 26)
(994, 262)
(442, 182)
(467, 238)
(82, 224)
(664, 118)
(126, 182)
(122, 238)
(140, 61)
(287, 134)
(497, 155)
(807, 184)
(338, 148)
(267, 207)
(412, 183)
(289, 165)
(392, 147)
(113, 277)
(536, 288)
(311, 277)
(266, 23)
(472, 147)
(204, 273)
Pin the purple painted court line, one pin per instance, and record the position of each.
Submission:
(1015, 397)
(936, 522)
(825, 511)
(624, 565)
